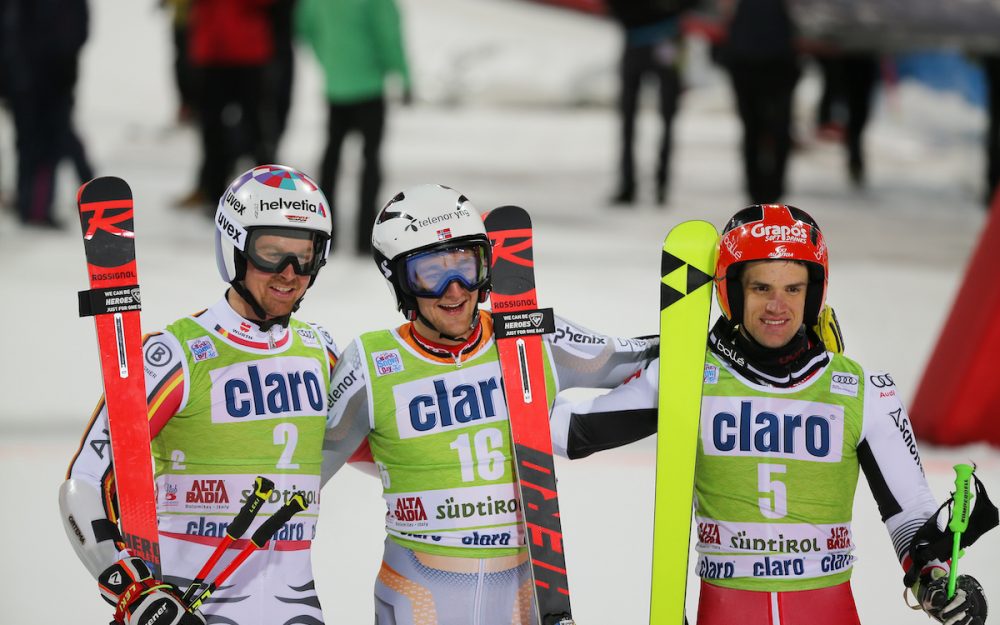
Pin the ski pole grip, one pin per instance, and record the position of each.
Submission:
(296, 504)
(263, 488)
(959, 521)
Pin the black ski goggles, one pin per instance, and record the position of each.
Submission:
(272, 249)
(428, 274)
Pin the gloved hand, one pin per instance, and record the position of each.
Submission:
(828, 329)
(967, 607)
(141, 599)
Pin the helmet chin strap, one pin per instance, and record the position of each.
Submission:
(457, 339)
(262, 321)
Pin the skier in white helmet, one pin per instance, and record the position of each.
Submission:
(428, 399)
(787, 425)
(234, 392)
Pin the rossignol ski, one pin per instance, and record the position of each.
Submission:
(113, 300)
(518, 325)
(686, 269)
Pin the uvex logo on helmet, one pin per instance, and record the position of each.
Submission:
(779, 233)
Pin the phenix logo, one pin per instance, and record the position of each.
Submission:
(786, 234)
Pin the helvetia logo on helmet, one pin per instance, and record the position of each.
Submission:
(784, 234)
(294, 205)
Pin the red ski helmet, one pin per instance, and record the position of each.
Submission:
(771, 232)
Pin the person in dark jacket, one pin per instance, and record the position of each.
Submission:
(41, 42)
(760, 55)
(651, 48)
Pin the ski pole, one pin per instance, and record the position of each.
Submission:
(959, 521)
(296, 504)
(262, 489)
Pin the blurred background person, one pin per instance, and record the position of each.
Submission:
(184, 78)
(759, 53)
(41, 42)
(279, 75)
(358, 43)
(651, 48)
(849, 81)
(230, 44)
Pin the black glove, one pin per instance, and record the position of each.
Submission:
(141, 599)
(967, 607)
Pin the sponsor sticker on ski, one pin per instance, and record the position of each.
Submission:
(524, 323)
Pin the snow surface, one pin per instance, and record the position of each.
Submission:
(513, 108)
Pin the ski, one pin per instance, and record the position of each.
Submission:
(106, 218)
(518, 325)
(686, 268)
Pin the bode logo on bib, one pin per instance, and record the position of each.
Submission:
(772, 427)
(263, 389)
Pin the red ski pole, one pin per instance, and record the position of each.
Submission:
(262, 489)
(296, 504)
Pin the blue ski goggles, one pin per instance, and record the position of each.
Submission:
(428, 274)
(272, 249)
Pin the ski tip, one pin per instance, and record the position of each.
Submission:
(507, 217)
(102, 189)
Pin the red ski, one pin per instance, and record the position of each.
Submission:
(518, 325)
(113, 300)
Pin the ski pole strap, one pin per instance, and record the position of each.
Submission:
(110, 300)
(959, 521)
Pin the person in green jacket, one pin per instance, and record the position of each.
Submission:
(358, 43)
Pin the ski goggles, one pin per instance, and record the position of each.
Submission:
(428, 274)
(272, 249)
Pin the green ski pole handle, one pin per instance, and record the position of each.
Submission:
(959, 521)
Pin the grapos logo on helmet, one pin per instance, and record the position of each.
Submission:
(790, 234)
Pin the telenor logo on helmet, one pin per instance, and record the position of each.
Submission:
(784, 234)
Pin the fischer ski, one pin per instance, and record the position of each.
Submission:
(686, 270)
(518, 325)
(106, 217)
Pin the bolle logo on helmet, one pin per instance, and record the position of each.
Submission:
(733, 249)
(293, 205)
(776, 233)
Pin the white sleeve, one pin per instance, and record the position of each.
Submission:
(87, 496)
(349, 419)
(586, 359)
(625, 414)
(888, 455)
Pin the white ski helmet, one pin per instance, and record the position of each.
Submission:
(422, 219)
(263, 200)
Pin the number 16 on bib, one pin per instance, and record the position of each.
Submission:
(686, 269)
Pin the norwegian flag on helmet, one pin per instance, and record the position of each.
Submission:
(444, 234)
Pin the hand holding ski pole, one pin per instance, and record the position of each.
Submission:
(959, 521)
(297, 503)
(262, 489)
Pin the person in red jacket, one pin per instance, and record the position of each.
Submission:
(230, 42)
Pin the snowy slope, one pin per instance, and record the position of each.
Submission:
(500, 86)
